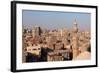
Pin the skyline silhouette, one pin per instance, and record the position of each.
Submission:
(55, 20)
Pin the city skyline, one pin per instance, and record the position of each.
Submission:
(55, 20)
(40, 45)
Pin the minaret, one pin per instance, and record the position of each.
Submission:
(75, 28)
(75, 39)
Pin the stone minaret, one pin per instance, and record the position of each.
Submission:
(75, 39)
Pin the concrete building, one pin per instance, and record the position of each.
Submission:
(57, 44)
(35, 49)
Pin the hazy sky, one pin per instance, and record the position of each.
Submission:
(55, 20)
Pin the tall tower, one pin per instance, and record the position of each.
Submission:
(33, 32)
(36, 31)
(75, 39)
